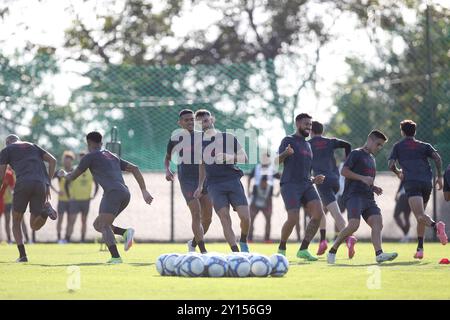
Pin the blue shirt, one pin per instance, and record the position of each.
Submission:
(412, 155)
(188, 147)
(106, 168)
(323, 155)
(220, 172)
(26, 159)
(296, 167)
(447, 179)
(362, 163)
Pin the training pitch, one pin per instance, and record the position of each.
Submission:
(77, 271)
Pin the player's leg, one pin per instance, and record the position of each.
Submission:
(25, 231)
(267, 212)
(206, 211)
(323, 244)
(38, 217)
(8, 209)
(225, 220)
(103, 224)
(18, 236)
(372, 215)
(84, 215)
(253, 213)
(61, 208)
(293, 216)
(291, 194)
(315, 211)
(196, 225)
(398, 216)
(298, 229)
(238, 199)
(71, 218)
(406, 214)
(116, 201)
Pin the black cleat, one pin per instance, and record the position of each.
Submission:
(22, 259)
(48, 210)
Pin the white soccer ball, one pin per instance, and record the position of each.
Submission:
(192, 266)
(169, 263)
(160, 264)
(216, 266)
(260, 266)
(280, 265)
(177, 264)
(238, 266)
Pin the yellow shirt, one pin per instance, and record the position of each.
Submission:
(81, 188)
(62, 183)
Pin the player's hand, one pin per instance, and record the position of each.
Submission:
(198, 193)
(61, 173)
(367, 180)
(169, 175)
(147, 197)
(439, 183)
(378, 191)
(319, 179)
(289, 151)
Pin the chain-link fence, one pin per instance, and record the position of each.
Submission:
(143, 103)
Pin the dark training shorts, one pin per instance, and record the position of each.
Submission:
(358, 206)
(188, 188)
(327, 190)
(227, 193)
(63, 206)
(418, 189)
(114, 201)
(32, 192)
(296, 194)
(79, 206)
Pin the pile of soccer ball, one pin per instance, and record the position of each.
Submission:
(219, 265)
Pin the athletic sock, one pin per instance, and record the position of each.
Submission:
(201, 246)
(118, 231)
(378, 252)
(282, 245)
(234, 248)
(114, 252)
(333, 251)
(304, 245)
(323, 233)
(22, 252)
(243, 238)
(419, 243)
(194, 243)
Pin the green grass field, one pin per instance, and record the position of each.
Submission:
(45, 276)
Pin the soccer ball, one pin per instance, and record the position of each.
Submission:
(160, 264)
(260, 266)
(280, 265)
(191, 266)
(216, 266)
(169, 263)
(177, 264)
(238, 266)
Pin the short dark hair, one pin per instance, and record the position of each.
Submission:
(201, 113)
(378, 134)
(408, 127)
(302, 116)
(94, 136)
(317, 127)
(185, 111)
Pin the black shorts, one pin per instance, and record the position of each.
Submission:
(358, 206)
(418, 189)
(297, 194)
(188, 188)
(77, 206)
(29, 192)
(114, 201)
(63, 207)
(327, 190)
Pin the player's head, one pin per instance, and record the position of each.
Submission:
(11, 139)
(94, 140)
(375, 141)
(408, 128)
(205, 118)
(303, 122)
(317, 128)
(186, 119)
(68, 158)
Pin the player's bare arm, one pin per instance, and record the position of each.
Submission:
(201, 180)
(169, 173)
(140, 180)
(286, 153)
(393, 167)
(438, 163)
(349, 174)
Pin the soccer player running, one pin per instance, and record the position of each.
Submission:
(402, 209)
(359, 171)
(221, 152)
(32, 185)
(64, 197)
(188, 144)
(446, 188)
(80, 198)
(7, 186)
(412, 155)
(106, 169)
(324, 163)
(297, 185)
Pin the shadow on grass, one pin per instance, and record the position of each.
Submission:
(393, 264)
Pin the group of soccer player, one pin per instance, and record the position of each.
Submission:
(210, 178)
